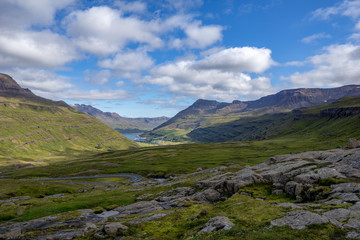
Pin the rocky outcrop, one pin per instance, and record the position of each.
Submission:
(299, 219)
(216, 224)
(327, 177)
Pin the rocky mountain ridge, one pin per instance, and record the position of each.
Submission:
(119, 123)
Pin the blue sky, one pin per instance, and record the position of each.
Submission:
(153, 58)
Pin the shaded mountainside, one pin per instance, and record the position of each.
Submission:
(34, 127)
(208, 114)
(340, 119)
(119, 123)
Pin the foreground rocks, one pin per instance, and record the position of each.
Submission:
(325, 177)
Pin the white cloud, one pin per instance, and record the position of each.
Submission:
(97, 77)
(102, 30)
(132, 7)
(349, 8)
(35, 49)
(80, 95)
(24, 13)
(220, 75)
(128, 62)
(314, 37)
(338, 65)
(197, 35)
(244, 59)
(202, 36)
(40, 80)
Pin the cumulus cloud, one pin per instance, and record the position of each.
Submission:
(82, 95)
(103, 30)
(212, 78)
(197, 35)
(35, 49)
(97, 77)
(40, 80)
(128, 62)
(24, 13)
(245, 59)
(336, 66)
(315, 37)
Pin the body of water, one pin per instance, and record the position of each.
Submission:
(133, 136)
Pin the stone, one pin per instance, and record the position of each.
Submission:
(199, 169)
(10, 233)
(299, 219)
(89, 227)
(143, 197)
(106, 214)
(209, 195)
(353, 223)
(347, 197)
(67, 234)
(318, 174)
(289, 205)
(353, 143)
(339, 214)
(353, 235)
(150, 218)
(139, 208)
(217, 223)
(115, 228)
(346, 188)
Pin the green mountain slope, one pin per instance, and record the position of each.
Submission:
(206, 114)
(119, 123)
(32, 127)
(336, 120)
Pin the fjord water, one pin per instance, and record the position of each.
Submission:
(133, 136)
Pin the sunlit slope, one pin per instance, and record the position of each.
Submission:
(33, 128)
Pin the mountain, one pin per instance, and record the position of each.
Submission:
(205, 114)
(35, 127)
(119, 123)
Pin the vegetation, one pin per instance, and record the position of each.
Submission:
(35, 130)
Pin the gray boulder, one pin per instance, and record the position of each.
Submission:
(139, 208)
(217, 223)
(299, 219)
(340, 214)
(115, 228)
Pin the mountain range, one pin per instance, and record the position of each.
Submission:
(209, 116)
(119, 123)
(33, 127)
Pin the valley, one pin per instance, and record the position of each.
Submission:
(268, 173)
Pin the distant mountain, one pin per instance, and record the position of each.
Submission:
(119, 123)
(208, 113)
(34, 127)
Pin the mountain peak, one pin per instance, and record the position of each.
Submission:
(8, 86)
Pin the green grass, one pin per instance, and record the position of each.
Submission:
(33, 131)
(175, 159)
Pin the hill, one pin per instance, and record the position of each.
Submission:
(33, 127)
(119, 123)
(189, 124)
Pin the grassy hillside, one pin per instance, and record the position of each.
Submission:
(201, 121)
(338, 120)
(32, 129)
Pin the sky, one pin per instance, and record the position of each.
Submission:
(156, 57)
